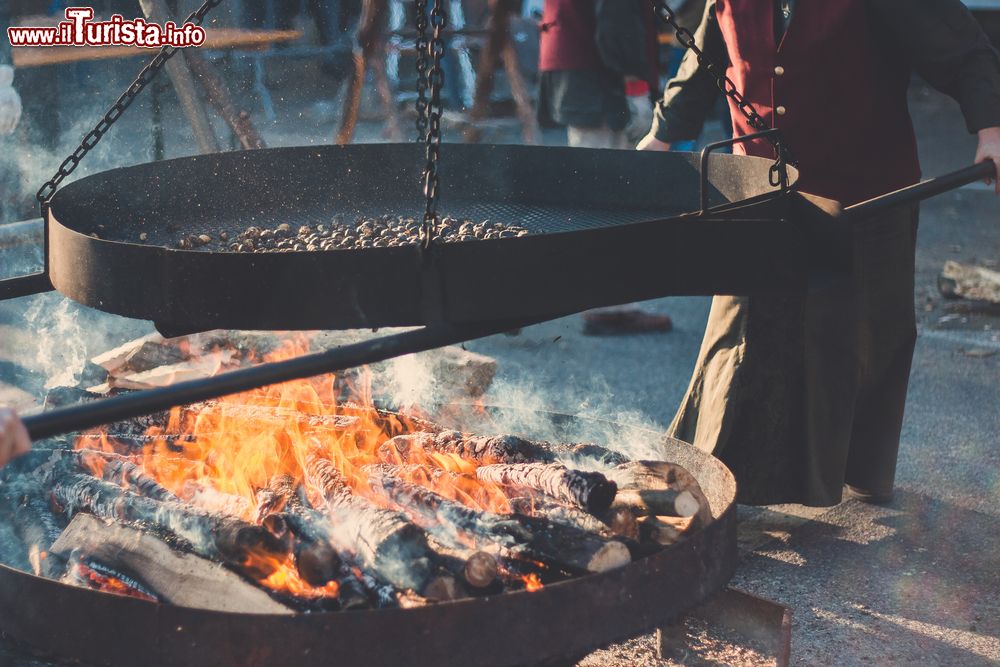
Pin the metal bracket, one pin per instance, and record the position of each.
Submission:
(753, 618)
(35, 283)
(711, 148)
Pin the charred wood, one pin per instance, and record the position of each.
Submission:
(665, 530)
(665, 502)
(561, 514)
(646, 476)
(541, 539)
(386, 542)
(274, 496)
(203, 495)
(180, 578)
(281, 512)
(39, 528)
(129, 475)
(95, 575)
(591, 491)
(493, 449)
(221, 538)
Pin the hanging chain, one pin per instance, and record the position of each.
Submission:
(92, 138)
(435, 81)
(778, 174)
(422, 48)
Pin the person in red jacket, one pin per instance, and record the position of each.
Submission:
(591, 54)
(802, 395)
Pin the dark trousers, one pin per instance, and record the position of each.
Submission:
(799, 394)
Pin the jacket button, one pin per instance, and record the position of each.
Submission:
(779, 71)
(781, 111)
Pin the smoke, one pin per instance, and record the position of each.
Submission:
(60, 351)
(525, 407)
(579, 408)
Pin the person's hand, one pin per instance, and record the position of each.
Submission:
(14, 440)
(651, 143)
(10, 101)
(989, 149)
(640, 109)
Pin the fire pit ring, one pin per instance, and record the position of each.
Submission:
(562, 621)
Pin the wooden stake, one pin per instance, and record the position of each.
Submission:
(183, 81)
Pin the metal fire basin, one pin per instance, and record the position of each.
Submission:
(561, 622)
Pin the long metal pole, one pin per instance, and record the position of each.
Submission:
(89, 415)
(923, 190)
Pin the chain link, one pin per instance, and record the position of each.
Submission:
(778, 174)
(432, 139)
(92, 138)
(422, 49)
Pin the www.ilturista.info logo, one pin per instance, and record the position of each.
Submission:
(79, 29)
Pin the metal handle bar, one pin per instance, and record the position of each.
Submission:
(923, 190)
(35, 283)
(771, 134)
(129, 406)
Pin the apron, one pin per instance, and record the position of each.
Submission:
(799, 394)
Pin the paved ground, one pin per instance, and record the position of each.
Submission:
(913, 583)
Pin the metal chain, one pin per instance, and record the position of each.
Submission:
(423, 50)
(435, 81)
(92, 138)
(728, 88)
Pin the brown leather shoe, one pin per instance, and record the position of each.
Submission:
(867, 496)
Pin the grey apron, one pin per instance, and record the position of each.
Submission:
(800, 394)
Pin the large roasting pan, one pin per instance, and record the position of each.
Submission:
(554, 626)
(607, 227)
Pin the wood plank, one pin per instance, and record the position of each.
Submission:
(215, 39)
(182, 579)
(970, 281)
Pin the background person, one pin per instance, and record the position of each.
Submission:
(799, 395)
(588, 51)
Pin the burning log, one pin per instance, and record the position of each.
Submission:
(164, 376)
(665, 530)
(386, 542)
(666, 502)
(281, 511)
(129, 475)
(273, 498)
(493, 449)
(561, 514)
(149, 355)
(38, 529)
(590, 490)
(92, 574)
(116, 359)
(180, 578)
(531, 536)
(220, 538)
(637, 480)
(205, 496)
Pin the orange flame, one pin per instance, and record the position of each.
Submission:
(232, 448)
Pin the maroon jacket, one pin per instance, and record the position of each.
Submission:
(839, 98)
(594, 35)
(567, 36)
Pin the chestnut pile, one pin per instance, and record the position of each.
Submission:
(365, 232)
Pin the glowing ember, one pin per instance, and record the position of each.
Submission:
(532, 582)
